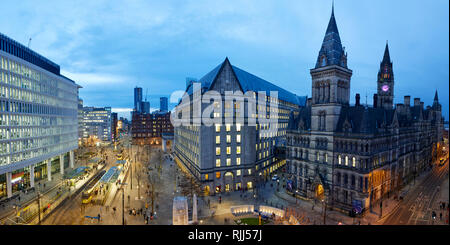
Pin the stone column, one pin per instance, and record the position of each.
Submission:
(8, 184)
(61, 164)
(49, 170)
(71, 159)
(32, 175)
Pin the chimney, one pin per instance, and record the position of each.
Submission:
(416, 101)
(407, 101)
(357, 98)
(375, 99)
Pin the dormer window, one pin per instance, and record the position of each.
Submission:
(323, 61)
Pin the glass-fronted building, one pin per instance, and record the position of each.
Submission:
(38, 118)
(96, 123)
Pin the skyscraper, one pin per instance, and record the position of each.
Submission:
(137, 99)
(145, 107)
(163, 104)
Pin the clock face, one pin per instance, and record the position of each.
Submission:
(385, 88)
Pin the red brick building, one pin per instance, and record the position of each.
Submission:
(147, 129)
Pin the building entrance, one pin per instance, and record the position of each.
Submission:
(319, 192)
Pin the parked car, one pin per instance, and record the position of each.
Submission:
(275, 178)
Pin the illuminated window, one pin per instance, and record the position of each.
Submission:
(228, 127)
(217, 151)
(217, 162)
(238, 150)
(238, 138)
(339, 159)
(317, 156)
(346, 160)
(238, 161)
(238, 172)
(218, 175)
(206, 176)
(354, 162)
(228, 150)
(217, 128)
(218, 139)
(228, 162)
(228, 138)
(326, 157)
(250, 171)
(238, 127)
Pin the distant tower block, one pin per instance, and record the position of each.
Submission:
(194, 211)
(180, 211)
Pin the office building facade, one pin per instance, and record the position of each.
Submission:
(38, 118)
(229, 156)
(148, 128)
(96, 124)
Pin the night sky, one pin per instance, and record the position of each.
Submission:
(109, 47)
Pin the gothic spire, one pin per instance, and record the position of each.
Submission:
(386, 57)
(331, 52)
(436, 96)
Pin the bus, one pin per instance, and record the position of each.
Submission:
(90, 190)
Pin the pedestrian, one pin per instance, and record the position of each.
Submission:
(98, 218)
(440, 216)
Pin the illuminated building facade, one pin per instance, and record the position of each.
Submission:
(96, 123)
(38, 118)
(351, 156)
(232, 156)
(147, 128)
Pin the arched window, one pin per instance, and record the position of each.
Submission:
(339, 159)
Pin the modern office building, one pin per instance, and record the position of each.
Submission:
(38, 118)
(232, 156)
(352, 156)
(148, 128)
(80, 119)
(96, 124)
(163, 104)
(137, 99)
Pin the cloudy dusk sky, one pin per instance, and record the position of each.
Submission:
(109, 47)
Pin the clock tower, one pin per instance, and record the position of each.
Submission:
(385, 88)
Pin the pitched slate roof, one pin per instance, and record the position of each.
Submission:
(331, 45)
(249, 82)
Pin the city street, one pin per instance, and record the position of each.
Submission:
(417, 206)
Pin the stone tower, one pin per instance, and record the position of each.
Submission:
(330, 81)
(385, 83)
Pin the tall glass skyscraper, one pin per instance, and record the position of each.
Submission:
(137, 99)
(38, 118)
(163, 104)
